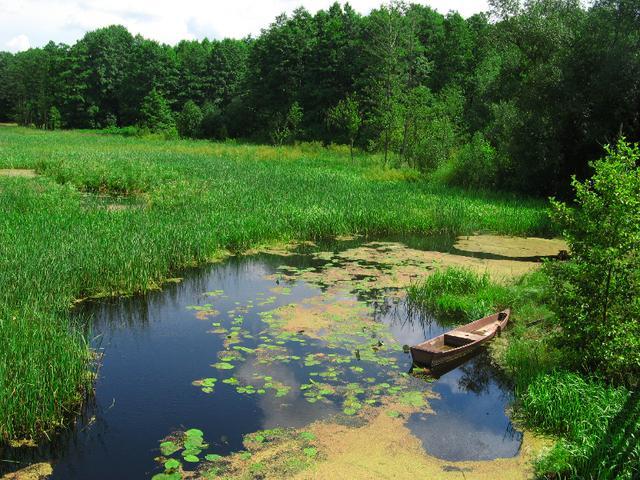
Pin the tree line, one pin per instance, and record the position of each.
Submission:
(520, 97)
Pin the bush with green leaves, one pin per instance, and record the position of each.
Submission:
(346, 117)
(596, 296)
(212, 124)
(285, 128)
(190, 120)
(156, 115)
(54, 119)
(475, 165)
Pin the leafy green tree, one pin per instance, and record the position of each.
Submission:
(596, 296)
(334, 63)
(387, 72)
(227, 70)
(190, 120)
(277, 66)
(7, 100)
(54, 119)
(431, 130)
(285, 129)
(346, 117)
(213, 124)
(108, 61)
(156, 114)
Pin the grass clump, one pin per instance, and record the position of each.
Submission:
(194, 200)
(599, 426)
(458, 294)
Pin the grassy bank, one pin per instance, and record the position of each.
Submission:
(597, 425)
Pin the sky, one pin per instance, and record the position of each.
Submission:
(32, 23)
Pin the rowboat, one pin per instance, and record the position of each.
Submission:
(460, 341)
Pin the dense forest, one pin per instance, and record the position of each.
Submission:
(528, 91)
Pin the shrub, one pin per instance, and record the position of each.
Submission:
(156, 116)
(285, 128)
(475, 165)
(190, 120)
(596, 296)
(54, 119)
(212, 125)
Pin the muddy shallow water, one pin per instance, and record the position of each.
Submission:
(280, 339)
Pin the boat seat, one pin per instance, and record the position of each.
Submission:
(459, 339)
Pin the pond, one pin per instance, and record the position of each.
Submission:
(279, 338)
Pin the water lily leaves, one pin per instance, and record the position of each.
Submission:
(212, 457)
(231, 381)
(414, 399)
(167, 476)
(214, 293)
(223, 366)
(172, 464)
(191, 459)
(168, 448)
(308, 436)
(310, 451)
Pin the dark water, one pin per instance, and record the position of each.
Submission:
(154, 347)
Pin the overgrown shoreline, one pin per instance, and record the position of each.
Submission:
(199, 198)
(589, 418)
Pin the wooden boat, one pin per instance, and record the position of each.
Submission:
(460, 341)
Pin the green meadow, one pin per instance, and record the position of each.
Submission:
(108, 215)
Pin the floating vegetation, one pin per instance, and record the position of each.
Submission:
(271, 453)
(325, 352)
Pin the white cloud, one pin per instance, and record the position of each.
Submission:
(18, 43)
(67, 20)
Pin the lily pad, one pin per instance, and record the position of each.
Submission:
(223, 366)
(168, 448)
(171, 464)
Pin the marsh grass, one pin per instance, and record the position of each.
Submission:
(458, 295)
(196, 199)
(598, 425)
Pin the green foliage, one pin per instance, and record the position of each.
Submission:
(54, 119)
(346, 117)
(598, 426)
(285, 128)
(475, 165)
(156, 116)
(430, 131)
(212, 125)
(547, 82)
(596, 296)
(178, 190)
(190, 120)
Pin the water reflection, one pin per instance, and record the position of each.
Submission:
(470, 418)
